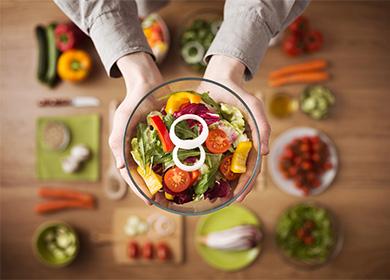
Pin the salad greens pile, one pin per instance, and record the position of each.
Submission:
(305, 233)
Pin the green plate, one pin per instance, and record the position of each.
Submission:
(224, 219)
(84, 129)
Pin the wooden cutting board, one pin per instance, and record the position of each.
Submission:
(174, 241)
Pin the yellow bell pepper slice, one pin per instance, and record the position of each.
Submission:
(240, 156)
(152, 180)
(179, 98)
(168, 196)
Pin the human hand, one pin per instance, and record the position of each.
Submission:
(230, 72)
(141, 75)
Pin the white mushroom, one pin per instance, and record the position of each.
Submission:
(70, 165)
(80, 152)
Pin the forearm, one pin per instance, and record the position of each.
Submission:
(113, 26)
(249, 25)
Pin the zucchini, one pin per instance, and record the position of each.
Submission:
(51, 73)
(40, 33)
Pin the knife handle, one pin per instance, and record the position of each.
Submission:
(54, 102)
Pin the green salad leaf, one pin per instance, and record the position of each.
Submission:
(207, 179)
(146, 147)
(206, 98)
(167, 161)
(234, 116)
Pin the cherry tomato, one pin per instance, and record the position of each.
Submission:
(308, 240)
(133, 250)
(163, 252)
(177, 180)
(293, 45)
(299, 26)
(217, 141)
(313, 41)
(225, 169)
(147, 251)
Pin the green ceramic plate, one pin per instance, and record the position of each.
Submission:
(224, 219)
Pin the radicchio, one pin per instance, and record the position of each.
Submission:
(197, 109)
(221, 189)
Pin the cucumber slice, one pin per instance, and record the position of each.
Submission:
(59, 254)
(322, 104)
(193, 52)
(49, 237)
(70, 250)
(308, 105)
(63, 241)
(187, 36)
(199, 24)
(316, 114)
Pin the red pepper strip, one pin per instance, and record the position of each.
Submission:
(194, 176)
(162, 132)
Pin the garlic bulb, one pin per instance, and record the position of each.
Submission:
(238, 238)
(70, 165)
(80, 152)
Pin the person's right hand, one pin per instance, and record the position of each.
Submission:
(141, 75)
(230, 72)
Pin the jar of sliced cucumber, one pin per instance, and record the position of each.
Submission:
(316, 101)
(197, 38)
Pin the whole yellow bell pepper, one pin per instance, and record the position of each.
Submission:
(240, 156)
(178, 99)
(74, 65)
(152, 180)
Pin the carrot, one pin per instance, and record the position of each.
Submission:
(57, 205)
(46, 192)
(305, 77)
(311, 65)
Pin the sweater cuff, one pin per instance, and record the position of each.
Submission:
(248, 43)
(116, 34)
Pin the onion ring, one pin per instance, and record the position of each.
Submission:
(198, 164)
(192, 143)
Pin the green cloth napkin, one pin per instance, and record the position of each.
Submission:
(84, 129)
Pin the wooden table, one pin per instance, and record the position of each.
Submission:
(357, 38)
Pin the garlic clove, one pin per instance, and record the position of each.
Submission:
(80, 152)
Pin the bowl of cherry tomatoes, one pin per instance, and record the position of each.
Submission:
(303, 161)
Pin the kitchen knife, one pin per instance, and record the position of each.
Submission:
(79, 101)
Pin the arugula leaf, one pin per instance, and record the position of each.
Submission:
(206, 98)
(167, 160)
(146, 147)
(207, 180)
(168, 120)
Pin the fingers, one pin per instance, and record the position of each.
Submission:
(262, 121)
(117, 134)
(126, 177)
(245, 177)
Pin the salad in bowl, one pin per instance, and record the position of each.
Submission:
(186, 150)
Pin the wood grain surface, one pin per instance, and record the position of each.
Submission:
(357, 36)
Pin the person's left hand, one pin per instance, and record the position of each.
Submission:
(230, 72)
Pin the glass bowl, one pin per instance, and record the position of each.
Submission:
(335, 229)
(154, 100)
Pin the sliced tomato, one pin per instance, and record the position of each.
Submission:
(225, 169)
(177, 180)
(217, 141)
